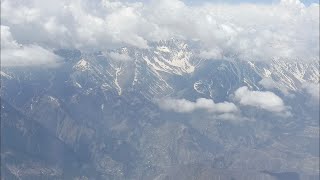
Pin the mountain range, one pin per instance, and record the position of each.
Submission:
(160, 113)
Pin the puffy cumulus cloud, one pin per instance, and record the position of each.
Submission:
(284, 30)
(14, 54)
(261, 99)
(185, 106)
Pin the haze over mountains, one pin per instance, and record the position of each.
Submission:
(159, 90)
(160, 112)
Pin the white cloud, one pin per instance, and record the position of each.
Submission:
(119, 56)
(185, 106)
(14, 54)
(269, 83)
(261, 99)
(7, 40)
(17, 13)
(312, 89)
(213, 53)
(285, 30)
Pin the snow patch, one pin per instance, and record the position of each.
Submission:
(5, 75)
(78, 85)
(197, 86)
(82, 65)
(118, 70)
(54, 100)
(105, 86)
(184, 64)
(251, 64)
(163, 49)
(266, 72)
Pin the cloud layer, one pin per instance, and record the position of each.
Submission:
(284, 30)
(261, 99)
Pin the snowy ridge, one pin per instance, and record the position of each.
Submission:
(172, 57)
(149, 70)
(290, 75)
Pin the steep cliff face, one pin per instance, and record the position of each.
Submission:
(97, 114)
